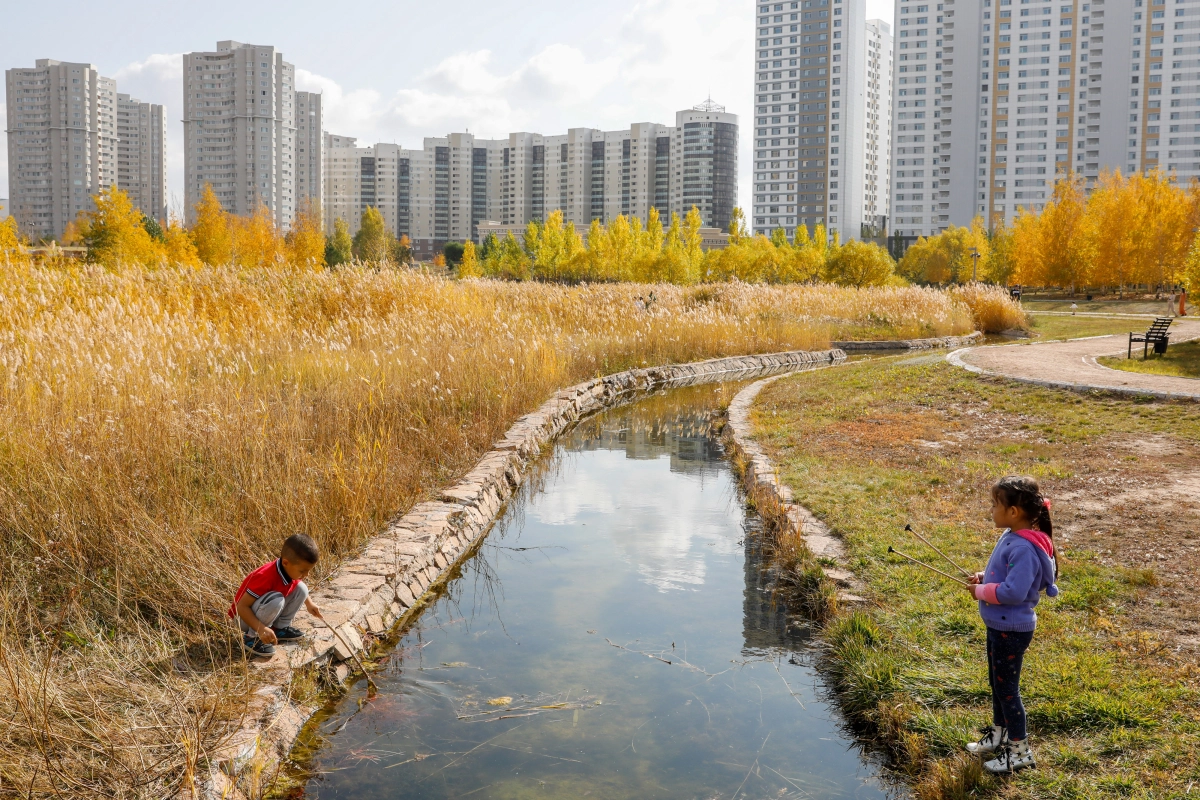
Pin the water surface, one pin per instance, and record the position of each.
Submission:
(623, 604)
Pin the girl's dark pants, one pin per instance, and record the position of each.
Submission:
(1005, 651)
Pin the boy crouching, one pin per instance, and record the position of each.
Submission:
(270, 597)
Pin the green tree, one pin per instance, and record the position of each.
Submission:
(153, 228)
(490, 245)
(373, 242)
(453, 251)
(402, 250)
(339, 248)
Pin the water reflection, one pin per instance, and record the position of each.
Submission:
(603, 621)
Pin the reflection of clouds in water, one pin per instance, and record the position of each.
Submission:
(664, 523)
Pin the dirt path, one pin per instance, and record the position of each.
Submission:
(1072, 364)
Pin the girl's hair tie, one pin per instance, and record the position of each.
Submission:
(1046, 503)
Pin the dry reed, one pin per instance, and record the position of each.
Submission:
(162, 431)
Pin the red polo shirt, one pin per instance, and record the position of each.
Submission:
(270, 577)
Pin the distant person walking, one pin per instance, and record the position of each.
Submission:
(1171, 304)
(1183, 302)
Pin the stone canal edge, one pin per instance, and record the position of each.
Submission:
(398, 571)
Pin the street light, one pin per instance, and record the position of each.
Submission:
(974, 264)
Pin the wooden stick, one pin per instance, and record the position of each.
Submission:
(926, 566)
(371, 687)
(909, 528)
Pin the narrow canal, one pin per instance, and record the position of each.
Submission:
(615, 637)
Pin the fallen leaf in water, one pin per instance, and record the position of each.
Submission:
(499, 701)
(592, 631)
(421, 756)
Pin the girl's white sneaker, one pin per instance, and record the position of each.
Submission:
(994, 737)
(1015, 756)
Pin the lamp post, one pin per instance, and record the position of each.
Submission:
(974, 264)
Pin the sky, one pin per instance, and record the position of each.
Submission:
(401, 71)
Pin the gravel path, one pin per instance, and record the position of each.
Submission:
(1072, 364)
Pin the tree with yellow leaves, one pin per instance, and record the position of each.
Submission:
(305, 241)
(210, 233)
(1066, 236)
(859, 264)
(1161, 246)
(469, 266)
(1113, 218)
(177, 245)
(255, 239)
(10, 238)
(115, 233)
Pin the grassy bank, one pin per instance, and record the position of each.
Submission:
(1047, 327)
(162, 431)
(1111, 679)
(1180, 360)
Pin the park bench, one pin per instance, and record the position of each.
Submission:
(1156, 335)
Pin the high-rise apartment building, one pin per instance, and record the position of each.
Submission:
(443, 191)
(62, 143)
(993, 98)
(877, 125)
(239, 129)
(142, 155)
(810, 115)
(309, 147)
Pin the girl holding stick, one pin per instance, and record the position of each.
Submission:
(1021, 566)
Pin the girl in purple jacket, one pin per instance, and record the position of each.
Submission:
(1021, 566)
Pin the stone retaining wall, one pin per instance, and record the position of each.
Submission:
(391, 579)
(774, 500)
(910, 344)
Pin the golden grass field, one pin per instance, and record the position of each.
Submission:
(162, 431)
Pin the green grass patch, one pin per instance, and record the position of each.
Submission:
(1180, 361)
(1047, 326)
(872, 446)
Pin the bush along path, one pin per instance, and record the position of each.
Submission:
(1111, 681)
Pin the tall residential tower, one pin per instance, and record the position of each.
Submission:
(62, 143)
(239, 130)
(810, 115)
(993, 98)
(877, 115)
(142, 155)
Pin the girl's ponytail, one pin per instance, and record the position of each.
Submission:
(1042, 521)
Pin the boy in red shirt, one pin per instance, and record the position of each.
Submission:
(270, 597)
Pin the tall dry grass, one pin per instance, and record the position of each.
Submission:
(161, 432)
(992, 308)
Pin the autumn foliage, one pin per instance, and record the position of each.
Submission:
(1123, 231)
(625, 250)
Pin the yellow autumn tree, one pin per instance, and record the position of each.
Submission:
(256, 241)
(115, 232)
(469, 266)
(1066, 235)
(10, 238)
(1113, 218)
(177, 245)
(1159, 248)
(210, 232)
(305, 241)
(859, 264)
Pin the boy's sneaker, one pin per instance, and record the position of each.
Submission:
(288, 634)
(994, 737)
(256, 647)
(1015, 756)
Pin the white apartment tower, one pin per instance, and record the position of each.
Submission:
(877, 115)
(142, 155)
(62, 143)
(239, 129)
(810, 116)
(1009, 93)
(309, 147)
(443, 191)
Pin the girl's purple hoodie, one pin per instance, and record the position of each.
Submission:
(1021, 566)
